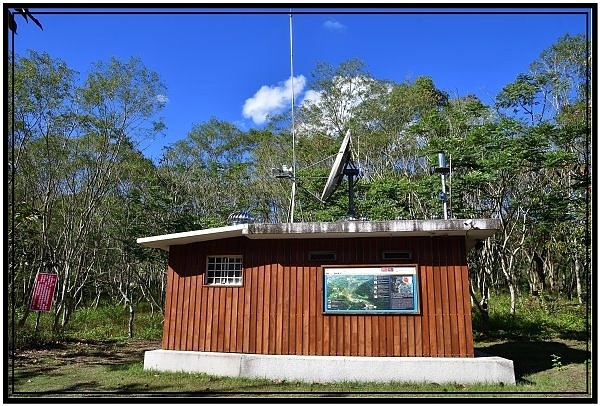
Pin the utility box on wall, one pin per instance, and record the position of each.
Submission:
(355, 288)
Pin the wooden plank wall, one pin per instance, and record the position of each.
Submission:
(278, 310)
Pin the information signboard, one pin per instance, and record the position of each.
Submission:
(372, 289)
(43, 292)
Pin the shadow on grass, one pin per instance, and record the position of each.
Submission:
(530, 357)
(23, 375)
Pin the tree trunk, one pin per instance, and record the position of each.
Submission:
(511, 289)
(577, 280)
(551, 277)
(63, 294)
(538, 264)
(130, 327)
(23, 318)
(37, 323)
(482, 306)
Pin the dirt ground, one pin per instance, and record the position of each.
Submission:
(86, 352)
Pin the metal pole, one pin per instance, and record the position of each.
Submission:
(293, 197)
(12, 202)
(450, 184)
(445, 199)
(37, 323)
(442, 169)
(351, 213)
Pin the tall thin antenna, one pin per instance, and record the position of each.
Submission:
(293, 197)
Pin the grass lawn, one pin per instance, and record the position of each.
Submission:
(109, 368)
(93, 358)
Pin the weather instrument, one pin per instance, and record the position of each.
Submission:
(343, 165)
(443, 170)
(283, 172)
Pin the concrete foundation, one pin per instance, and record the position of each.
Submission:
(323, 369)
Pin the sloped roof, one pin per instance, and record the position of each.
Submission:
(471, 229)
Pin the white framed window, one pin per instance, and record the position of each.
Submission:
(223, 270)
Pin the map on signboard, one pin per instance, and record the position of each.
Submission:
(375, 289)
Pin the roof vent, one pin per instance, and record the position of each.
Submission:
(240, 217)
(321, 256)
(396, 255)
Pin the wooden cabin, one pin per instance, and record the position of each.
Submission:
(271, 288)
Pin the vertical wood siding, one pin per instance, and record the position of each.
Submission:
(279, 308)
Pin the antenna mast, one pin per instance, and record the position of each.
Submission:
(293, 197)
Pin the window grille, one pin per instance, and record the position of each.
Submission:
(224, 271)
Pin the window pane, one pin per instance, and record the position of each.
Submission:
(224, 270)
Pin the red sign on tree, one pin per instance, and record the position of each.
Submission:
(43, 292)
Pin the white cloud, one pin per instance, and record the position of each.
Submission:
(333, 25)
(272, 99)
(351, 92)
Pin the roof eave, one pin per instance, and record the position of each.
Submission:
(471, 229)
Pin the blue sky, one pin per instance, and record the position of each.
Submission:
(234, 66)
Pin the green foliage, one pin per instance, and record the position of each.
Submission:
(107, 322)
(566, 65)
(537, 318)
(556, 362)
(27, 336)
(111, 322)
(77, 172)
(84, 192)
(388, 198)
(102, 322)
(521, 93)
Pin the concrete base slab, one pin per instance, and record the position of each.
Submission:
(479, 369)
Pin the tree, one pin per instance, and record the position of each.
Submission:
(73, 154)
(560, 79)
(43, 90)
(337, 93)
(386, 140)
(566, 65)
(211, 170)
(395, 123)
(84, 192)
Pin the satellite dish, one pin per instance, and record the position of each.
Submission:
(337, 170)
(342, 165)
